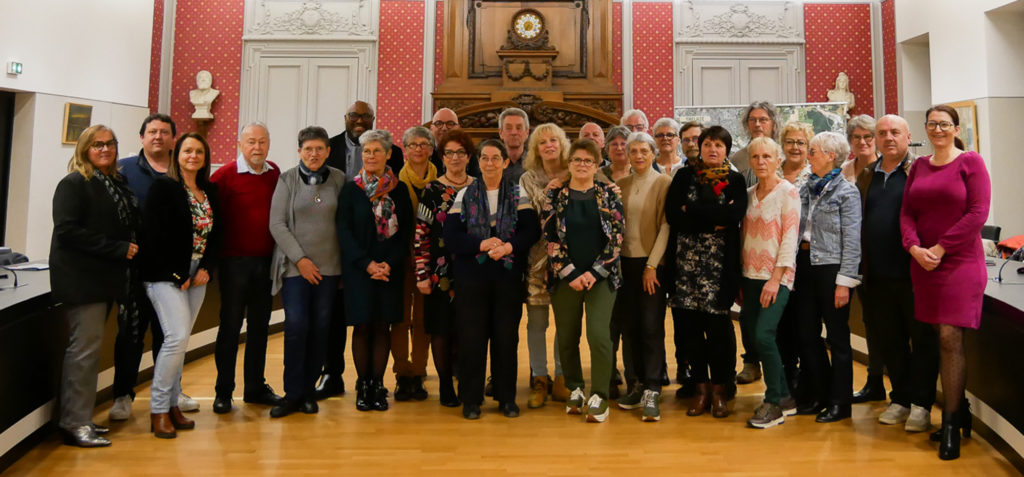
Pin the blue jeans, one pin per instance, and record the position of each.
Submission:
(307, 321)
(177, 310)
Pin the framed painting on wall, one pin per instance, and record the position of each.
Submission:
(968, 113)
(77, 117)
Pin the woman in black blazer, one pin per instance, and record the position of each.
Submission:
(182, 244)
(95, 228)
(375, 230)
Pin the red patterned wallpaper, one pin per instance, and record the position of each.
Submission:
(892, 94)
(154, 56)
(652, 59)
(439, 45)
(616, 44)
(400, 65)
(208, 36)
(838, 38)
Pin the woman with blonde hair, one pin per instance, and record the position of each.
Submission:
(96, 226)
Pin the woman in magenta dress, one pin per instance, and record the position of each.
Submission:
(945, 204)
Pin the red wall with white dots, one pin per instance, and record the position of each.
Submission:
(652, 59)
(154, 56)
(838, 38)
(892, 98)
(400, 66)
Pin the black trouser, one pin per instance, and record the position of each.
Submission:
(830, 383)
(621, 315)
(644, 329)
(244, 295)
(873, 338)
(128, 352)
(488, 310)
(909, 348)
(337, 338)
(711, 343)
(787, 338)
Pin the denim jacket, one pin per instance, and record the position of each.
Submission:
(835, 228)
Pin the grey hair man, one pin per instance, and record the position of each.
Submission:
(635, 120)
(760, 119)
(513, 129)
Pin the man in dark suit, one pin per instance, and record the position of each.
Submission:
(346, 153)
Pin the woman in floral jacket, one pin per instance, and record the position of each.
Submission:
(583, 227)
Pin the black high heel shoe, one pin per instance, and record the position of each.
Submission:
(363, 395)
(949, 438)
(962, 418)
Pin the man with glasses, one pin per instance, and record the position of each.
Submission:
(446, 120)
(688, 134)
(909, 348)
(760, 119)
(635, 120)
(157, 134)
(346, 153)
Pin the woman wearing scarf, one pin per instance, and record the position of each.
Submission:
(583, 226)
(434, 277)
(375, 228)
(182, 247)
(95, 239)
(410, 369)
(704, 207)
(826, 270)
(489, 231)
(306, 267)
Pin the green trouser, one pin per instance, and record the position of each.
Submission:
(568, 305)
(762, 324)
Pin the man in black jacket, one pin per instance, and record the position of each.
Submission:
(346, 153)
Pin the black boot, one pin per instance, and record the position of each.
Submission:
(363, 395)
(949, 440)
(963, 421)
(379, 395)
(873, 390)
(447, 389)
(403, 388)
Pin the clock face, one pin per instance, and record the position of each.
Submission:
(528, 25)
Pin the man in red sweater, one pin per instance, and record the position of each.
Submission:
(246, 187)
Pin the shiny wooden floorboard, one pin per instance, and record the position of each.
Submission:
(424, 438)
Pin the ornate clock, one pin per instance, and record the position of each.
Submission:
(528, 31)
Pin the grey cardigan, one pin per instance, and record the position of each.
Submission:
(302, 224)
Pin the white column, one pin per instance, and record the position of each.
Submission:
(429, 34)
(166, 57)
(627, 55)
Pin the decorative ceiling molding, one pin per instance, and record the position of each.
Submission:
(310, 18)
(754, 22)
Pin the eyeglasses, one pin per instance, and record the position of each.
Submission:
(865, 138)
(794, 142)
(445, 124)
(459, 153)
(418, 145)
(668, 135)
(583, 161)
(99, 145)
(636, 127)
(357, 116)
(941, 126)
(689, 140)
(759, 120)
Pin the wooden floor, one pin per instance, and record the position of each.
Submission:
(424, 438)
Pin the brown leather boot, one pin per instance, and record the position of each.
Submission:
(701, 402)
(538, 391)
(559, 392)
(160, 425)
(719, 401)
(179, 420)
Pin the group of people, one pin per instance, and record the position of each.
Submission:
(438, 243)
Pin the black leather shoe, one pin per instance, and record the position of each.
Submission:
(471, 411)
(509, 409)
(100, 430)
(418, 392)
(834, 413)
(221, 405)
(364, 395)
(380, 395)
(873, 390)
(449, 398)
(329, 385)
(309, 406)
(265, 396)
(810, 409)
(403, 388)
(84, 436)
(949, 437)
(285, 408)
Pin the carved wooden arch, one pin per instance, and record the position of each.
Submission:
(481, 120)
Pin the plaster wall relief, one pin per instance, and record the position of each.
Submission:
(734, 22)
(341, 19)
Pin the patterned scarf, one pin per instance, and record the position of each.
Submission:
(126, 206)
(415, 183)
(376, 189)
(716, 177)
(478, 214)
(817, 184)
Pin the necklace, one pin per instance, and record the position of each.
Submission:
(456, 184)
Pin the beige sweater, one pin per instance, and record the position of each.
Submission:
(643, 199)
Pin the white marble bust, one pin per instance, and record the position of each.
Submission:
(202, 97)
(842, 94)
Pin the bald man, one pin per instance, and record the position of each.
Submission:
(444, 121)
(346, 153)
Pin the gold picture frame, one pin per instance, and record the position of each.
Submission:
(77, 117)
(968, 113)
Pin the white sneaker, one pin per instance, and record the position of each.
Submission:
(186, 403)
(895, 414)
(122, 408)
(575, 402)
(597, 409)
(920, 419)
